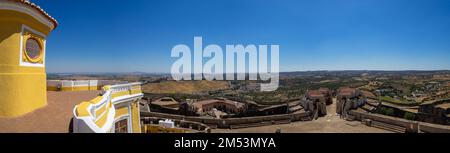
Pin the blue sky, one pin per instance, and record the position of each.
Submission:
(138, 35)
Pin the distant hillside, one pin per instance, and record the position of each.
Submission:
(186, 87)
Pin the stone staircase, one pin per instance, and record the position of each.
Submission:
(368, 108)
(294, 107)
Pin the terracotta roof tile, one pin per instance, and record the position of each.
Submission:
(39, 9)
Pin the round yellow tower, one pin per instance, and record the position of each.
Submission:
(24, 28)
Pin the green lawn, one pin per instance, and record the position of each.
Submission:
(396, 101)
(390, 99)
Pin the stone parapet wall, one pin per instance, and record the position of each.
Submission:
(411, 126)
(226, 123)
(433, 128)
(195, 126)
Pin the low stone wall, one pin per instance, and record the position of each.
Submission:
(198, 127)
(411, 126)
(79, 85)
(227, 123)
(162, 109)
(433, 128)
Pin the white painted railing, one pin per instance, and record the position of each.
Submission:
(71, 85)
(97, 115)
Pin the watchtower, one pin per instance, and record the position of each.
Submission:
(24, 27)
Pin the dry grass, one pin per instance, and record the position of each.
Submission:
(187, 87)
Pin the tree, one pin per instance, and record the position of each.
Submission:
(409, 116)
(388, 111)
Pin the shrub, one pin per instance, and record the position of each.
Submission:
(387, 111)
(409, 116)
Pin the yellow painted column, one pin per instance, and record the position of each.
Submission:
(22, 59)
(135, 117)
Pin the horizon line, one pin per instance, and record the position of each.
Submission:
(417, 70)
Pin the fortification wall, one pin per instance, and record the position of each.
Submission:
(433, 128)
(150, 126)
(411, 126)
(229, 122)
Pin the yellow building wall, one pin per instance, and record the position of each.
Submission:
(101, 122)
(120, 112)
(135, 119)
(22, 89)
(158, 129)
(52, 88)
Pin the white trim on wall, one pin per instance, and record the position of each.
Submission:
(22, 63)
(120, 118)
(130, 119)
